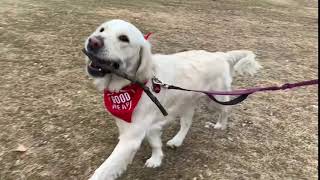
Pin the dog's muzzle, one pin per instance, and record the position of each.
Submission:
(97, 71)
(94, 46)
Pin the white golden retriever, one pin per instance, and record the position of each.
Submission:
(123, 46)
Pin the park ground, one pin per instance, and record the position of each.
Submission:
(53, 124)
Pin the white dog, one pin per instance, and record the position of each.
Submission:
(123, 46)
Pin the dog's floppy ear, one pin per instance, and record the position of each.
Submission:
(144, 71)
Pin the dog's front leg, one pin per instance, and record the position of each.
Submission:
(121, 156)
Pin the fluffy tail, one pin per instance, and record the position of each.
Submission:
(242, 61)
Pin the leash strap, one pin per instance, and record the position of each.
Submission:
(234, 101)
(242, 94)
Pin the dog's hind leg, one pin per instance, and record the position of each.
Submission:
(223, 112)
(185, 123)
(154, 139)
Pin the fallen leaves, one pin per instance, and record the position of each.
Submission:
(21, 148)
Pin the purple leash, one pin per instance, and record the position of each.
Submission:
(242, 93)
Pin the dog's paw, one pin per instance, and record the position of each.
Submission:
(220, 126)
(101, 177)
(103, 173)
(174, 143)
(153, 162)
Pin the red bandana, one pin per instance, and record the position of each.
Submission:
(123, 103)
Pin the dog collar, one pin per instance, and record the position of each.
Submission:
(146, 37)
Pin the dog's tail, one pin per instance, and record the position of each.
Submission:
(242, 61)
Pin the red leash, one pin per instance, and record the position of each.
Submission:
(242, 93)
(252, 90)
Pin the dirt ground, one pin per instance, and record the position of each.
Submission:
(49, 106)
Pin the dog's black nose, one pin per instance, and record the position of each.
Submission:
(95, 43)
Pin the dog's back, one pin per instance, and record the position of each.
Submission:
(199, 69)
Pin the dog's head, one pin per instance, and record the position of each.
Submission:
(123, 46)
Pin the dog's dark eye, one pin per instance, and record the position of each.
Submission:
(102, 29)
(123, 38)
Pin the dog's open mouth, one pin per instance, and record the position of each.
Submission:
(98, 71)
(98, 67)
(95, 70)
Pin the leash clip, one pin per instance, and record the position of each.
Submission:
(157, 81)
(157, 84)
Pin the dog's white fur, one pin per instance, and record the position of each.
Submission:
(196, 69)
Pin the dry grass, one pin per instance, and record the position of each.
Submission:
(49, 105)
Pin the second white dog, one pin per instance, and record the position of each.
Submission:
(123, 46)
